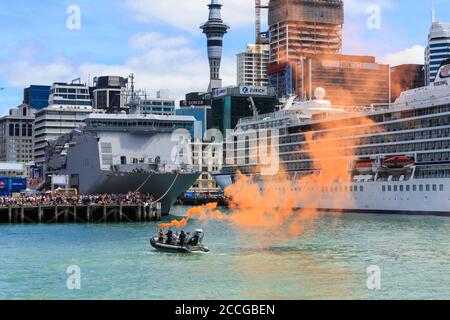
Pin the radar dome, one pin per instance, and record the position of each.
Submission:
(320, 93)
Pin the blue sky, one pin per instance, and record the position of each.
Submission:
(160, 40)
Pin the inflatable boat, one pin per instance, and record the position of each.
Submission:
(192, 245)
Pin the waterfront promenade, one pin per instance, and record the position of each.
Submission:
(79, 209)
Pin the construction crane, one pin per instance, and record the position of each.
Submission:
(259, 39)
(252, 107)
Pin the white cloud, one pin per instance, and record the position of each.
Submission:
(413, 55)
(147, 40)
(25, 72)
(171, 63)
(187, 15)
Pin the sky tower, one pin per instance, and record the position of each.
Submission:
(214, 29)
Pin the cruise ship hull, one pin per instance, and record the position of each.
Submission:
(432, 196)
(164, 187)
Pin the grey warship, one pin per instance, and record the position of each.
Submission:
(121, 153)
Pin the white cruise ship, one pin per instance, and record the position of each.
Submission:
(400, 153)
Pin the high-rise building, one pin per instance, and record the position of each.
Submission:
(299, 28)
(438, 47)
(215, 29)
(36, 96)
(348, 79)
(108, 93)
(252, 66)
(406, 77)
(16, 135)
(437, 50)
(69, 105)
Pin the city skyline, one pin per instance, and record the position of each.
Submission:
(162, 44)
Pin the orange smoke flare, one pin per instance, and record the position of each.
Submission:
(274, 208)
(202, 211)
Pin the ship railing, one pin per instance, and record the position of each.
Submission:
(140, 167)
(272, 116)
(286, 113)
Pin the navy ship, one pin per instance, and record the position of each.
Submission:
(121, 153)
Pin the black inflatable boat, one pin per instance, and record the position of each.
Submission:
(192, 245)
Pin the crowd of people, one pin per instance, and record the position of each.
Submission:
(99, 199)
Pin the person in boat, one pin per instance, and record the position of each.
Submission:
(175, 238)
(194, 240)
(169, 235)
(161, 236)
(182, 238)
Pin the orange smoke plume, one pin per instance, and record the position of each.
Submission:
(203, 212)
(271, 204)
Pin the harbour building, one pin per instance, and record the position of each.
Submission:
(196, 105)
(345, 78)
(16, 135)
(162, 104)
(202, 152)
(108, 93)
(438, 47)
(252, 66)
(230, 104)
(36, 96)
(69, 105)
(406, 77)
(299, 28)
(214, 29)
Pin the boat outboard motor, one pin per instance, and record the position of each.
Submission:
(196, 238)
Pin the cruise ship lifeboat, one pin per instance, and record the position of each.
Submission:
(398, 162)
(364, 166)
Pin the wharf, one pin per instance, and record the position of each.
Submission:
(79, 213)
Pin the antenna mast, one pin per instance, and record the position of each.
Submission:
(433, 12)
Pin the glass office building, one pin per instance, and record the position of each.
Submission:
(36, 96)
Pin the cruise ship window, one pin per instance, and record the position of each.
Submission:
(441, 187)
(414, 188)
(401, 188)
(434, 187)
(421, 187)
(428, 187)
(361, 189)
(408, 188)
(383, 188)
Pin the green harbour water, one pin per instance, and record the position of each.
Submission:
(328, 261)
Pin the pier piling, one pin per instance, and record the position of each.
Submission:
(88, 213)
(40, 214)
(80, 213)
